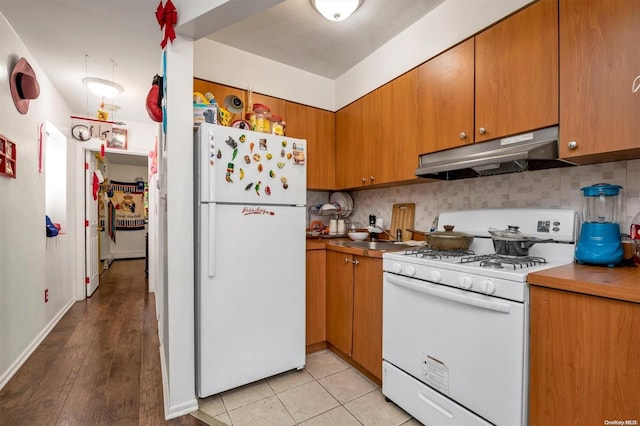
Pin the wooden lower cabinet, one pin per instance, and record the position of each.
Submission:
(354, 308)
(367, 315)
(585, 359)
(340, 300)
(316, 294)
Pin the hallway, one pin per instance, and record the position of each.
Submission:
(100, 365)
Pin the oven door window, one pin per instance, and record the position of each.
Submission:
(467, 346)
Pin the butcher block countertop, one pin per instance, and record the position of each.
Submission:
(621, 283)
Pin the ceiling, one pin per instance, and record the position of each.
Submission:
(119, 40)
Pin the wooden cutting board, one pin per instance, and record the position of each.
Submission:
(402, 217)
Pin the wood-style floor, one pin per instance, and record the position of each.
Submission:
(100, 365)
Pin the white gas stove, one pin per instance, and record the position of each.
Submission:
(479, 269)
(455, 324)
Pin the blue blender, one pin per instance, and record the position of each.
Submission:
(600, 242)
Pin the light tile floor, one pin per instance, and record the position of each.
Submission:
(327, 392)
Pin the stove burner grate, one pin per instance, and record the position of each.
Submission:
(429, 253)
(495, 261)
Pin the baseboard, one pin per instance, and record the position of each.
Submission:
(346, 358)
(315, 347)
(136, 254)
(13, 369)
(172, 412)
(182, 409)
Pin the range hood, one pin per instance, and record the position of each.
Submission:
(535, 150)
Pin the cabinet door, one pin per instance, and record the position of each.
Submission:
(277, 106)
(219, 92)
(316, 297)
(393, 111)
(318, 128)
(339, 300)
(517, 73)
(599, 62)
(353, 138)
(367, 315)
(585, 359)
(447, 99)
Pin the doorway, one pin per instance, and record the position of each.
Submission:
(103, 242)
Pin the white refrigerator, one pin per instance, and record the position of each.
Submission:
(250, 256)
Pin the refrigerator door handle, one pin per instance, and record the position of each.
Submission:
(211, 259)
(211, 171)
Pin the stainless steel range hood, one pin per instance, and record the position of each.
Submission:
(528, 151)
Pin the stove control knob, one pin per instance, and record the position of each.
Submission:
(435, 276)
(396, 268)
(410, 270)
(487, 286)
(466, 282)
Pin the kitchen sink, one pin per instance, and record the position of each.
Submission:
(375, 245)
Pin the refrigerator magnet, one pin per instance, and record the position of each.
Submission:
(298, 154)
(231, 142)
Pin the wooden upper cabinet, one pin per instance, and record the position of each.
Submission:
(516, 71)
(393, 148)
(220, 92)
(446, 95)
(599, 63)
(317, 126)
(353, 138)
(277, 106)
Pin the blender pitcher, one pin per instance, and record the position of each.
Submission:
(600, 242)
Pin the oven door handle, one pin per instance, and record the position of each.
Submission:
(454, 297)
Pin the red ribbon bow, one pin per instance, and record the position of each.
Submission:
(167, 17)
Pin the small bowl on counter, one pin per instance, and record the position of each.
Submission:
(357, 235)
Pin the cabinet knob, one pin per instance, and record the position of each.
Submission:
(371, 178)
(463, 135)
(482, 130)
(572, 145)
(364, 180)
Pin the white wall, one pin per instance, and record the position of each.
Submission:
(265, 75)
(178, 347)
(29, 262)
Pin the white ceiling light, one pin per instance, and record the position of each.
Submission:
(103, 88)
(336, 10)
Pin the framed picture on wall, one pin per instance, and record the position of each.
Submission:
(118, 139)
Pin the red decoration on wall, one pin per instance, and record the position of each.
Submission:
(167, 17)
(96, 186)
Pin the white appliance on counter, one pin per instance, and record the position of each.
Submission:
(456, 324)
(250, 256)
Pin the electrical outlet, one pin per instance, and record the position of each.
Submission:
(46, 295)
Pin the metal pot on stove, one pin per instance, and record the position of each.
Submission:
(512, 242)
(447, 239)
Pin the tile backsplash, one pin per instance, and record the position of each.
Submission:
(549, 189)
